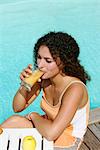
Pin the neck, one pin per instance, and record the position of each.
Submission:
(58, 81)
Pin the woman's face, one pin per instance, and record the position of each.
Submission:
(46, 63)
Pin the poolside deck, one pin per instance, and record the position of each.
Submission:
(92, 136)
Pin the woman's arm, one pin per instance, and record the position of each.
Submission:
(23, 98)
(70, 103)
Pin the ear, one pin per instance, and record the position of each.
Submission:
(59, 63)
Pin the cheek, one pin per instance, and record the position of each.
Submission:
(53, 69)
(52, 66)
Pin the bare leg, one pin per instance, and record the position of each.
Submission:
(17, 121)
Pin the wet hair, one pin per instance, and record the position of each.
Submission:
(65, 47)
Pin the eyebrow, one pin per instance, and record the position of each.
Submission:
(45, 57)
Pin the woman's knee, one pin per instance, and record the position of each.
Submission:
(17, 121)
(17, 118)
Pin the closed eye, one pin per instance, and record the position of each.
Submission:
(48, 61)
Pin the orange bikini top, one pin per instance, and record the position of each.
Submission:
(51, 110)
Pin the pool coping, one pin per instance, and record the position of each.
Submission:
(94, 115)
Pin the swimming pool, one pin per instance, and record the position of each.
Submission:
(23, 22)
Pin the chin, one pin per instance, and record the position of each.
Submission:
(46, 77)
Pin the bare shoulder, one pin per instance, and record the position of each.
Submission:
(76, 92)
(70, 102)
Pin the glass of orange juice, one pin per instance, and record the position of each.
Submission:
(28, 82)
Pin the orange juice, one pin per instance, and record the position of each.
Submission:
(32, 79)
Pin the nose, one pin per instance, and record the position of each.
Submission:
(41, 64)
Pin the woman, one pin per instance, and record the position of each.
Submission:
(65, 97)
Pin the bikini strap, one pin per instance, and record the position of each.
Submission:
(68, 86)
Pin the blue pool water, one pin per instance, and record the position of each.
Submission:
(23, 22)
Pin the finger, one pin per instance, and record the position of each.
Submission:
(25, 74)
(27, 116)
(21, 77)
(27, 70)
(30, 66)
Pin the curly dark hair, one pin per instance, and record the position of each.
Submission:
(65, 47)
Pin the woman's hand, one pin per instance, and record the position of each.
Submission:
(30, 115)
(26, 72)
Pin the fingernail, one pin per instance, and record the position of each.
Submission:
(27, 75)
